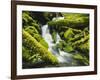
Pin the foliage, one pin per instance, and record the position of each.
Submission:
(34, 33)
(80, 59)
(30, 56)
(29, 21)
(32, 44)
(73, 30)
(54, 35)
(72, 21)
(68, 34)
(32, 53)
(65, 46)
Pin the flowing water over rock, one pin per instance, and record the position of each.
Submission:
(63, 57)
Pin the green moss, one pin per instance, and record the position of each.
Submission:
(29, 21)
(68, 34)
(34, 33)
(32, 44)
(68, 48)
(80, 59)
(84, 47)
(25, 54)
(26, 17)
(54, 35)
(41, 40)
(30, 56)
(71, 20)
(82, 40)
(37, 26)
(79, 24)
(76, 37)
(74, 15)
(73, 30)
(31, 30)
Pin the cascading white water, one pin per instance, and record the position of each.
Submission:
(63, 57)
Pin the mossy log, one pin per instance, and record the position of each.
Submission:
(78, 24)
(31, 43)
(34, 33)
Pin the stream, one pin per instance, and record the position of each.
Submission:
(64, 35)
(63, 57)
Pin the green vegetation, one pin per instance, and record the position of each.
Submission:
(81, 23)
(73, 30)
(31, 44)
(28, 21)
(34, 33)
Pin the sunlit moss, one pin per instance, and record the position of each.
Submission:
(73, 30)
(69, 33)
(71, 20)
(29, 21)
(34, 33)
(31, 43)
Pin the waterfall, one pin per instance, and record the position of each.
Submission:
(63, 57)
